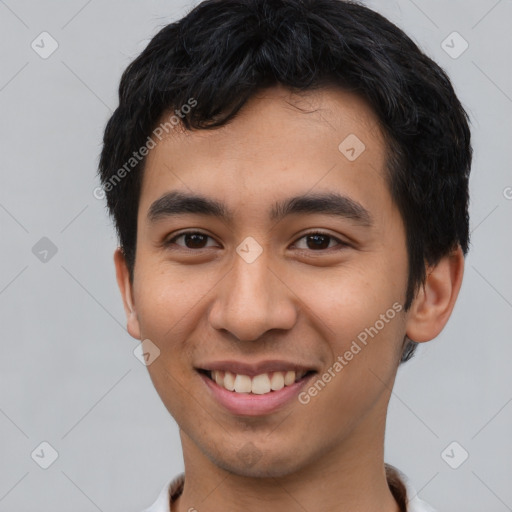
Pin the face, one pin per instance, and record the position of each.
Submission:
(249, 285)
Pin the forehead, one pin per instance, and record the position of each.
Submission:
(279, 144)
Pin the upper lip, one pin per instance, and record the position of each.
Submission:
(253, 369)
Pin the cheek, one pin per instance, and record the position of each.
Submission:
(350, 299)
(366, 329)
(164, 298)
(165, 310)
(360, 311)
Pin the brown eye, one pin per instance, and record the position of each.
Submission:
(195, 240)
(191, 240)
(320, 241)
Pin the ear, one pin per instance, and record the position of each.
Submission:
(125, 287)
(434, 302)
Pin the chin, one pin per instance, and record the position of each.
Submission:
(252, 463)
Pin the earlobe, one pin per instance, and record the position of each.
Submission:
(126, 289)
(434, 302)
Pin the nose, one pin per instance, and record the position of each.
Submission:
(253, 299)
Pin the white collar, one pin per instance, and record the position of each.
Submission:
(414, 503)
(162, 503)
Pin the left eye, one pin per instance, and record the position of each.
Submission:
(315, 241)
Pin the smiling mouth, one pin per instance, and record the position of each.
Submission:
(261, 384)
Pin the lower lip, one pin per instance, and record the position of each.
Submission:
(249, 404)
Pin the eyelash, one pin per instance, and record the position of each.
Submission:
(341, 243)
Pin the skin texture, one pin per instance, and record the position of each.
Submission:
(294, 302)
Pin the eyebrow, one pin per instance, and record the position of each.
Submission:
(333, 204)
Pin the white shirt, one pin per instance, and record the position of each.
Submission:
(162, 503)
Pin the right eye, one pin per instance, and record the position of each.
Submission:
(192, 240)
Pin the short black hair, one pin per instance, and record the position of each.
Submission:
(224, 51)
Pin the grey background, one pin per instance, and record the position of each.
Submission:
(67, 369)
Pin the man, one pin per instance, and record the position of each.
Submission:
(289, 183)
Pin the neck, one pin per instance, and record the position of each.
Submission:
(350, 477)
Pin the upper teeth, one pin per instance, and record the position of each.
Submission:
(259, 384)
